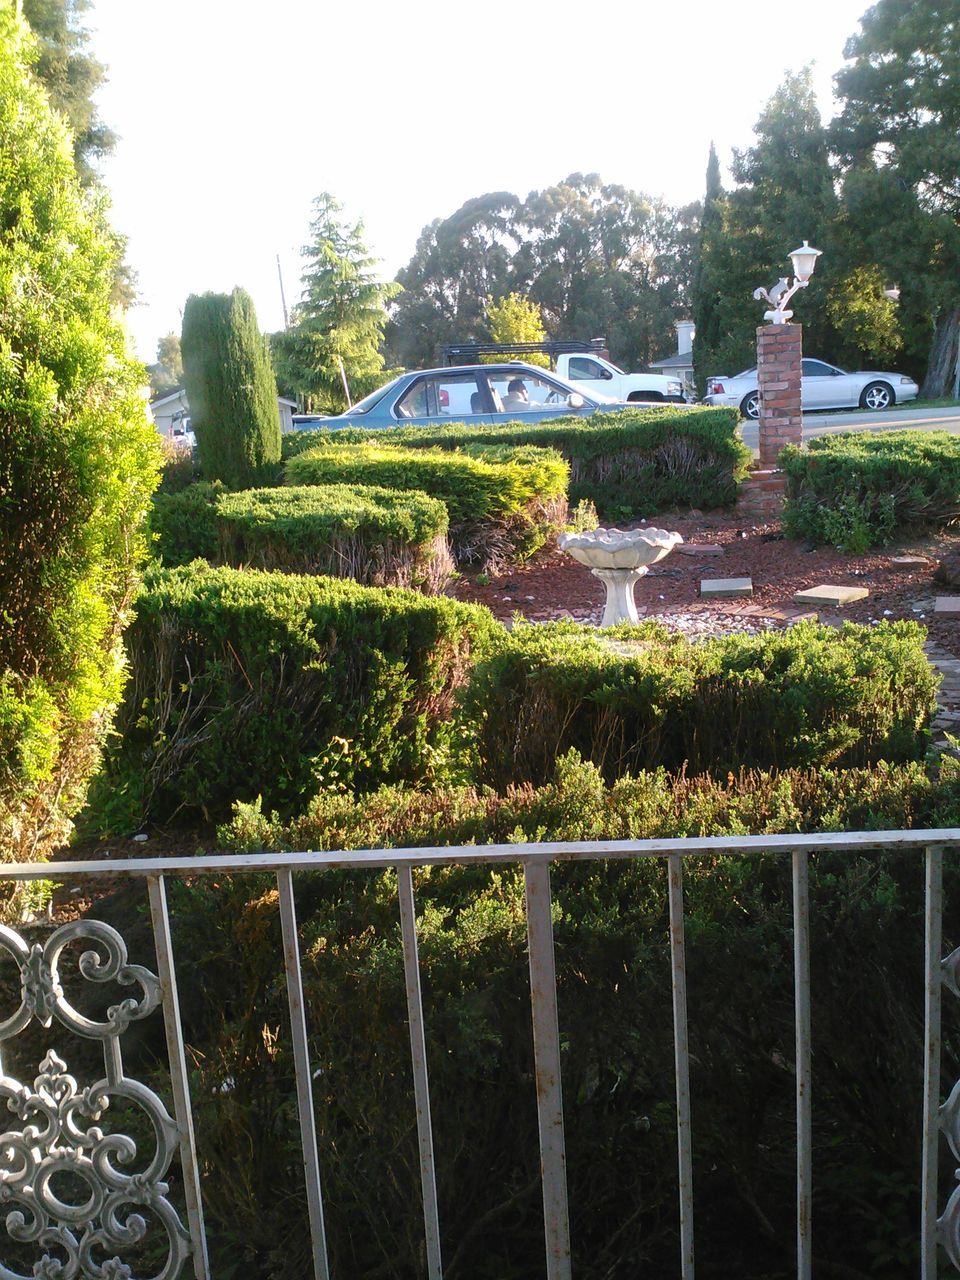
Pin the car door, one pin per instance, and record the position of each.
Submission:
(522, 396)
(819, 387)
(443, 397)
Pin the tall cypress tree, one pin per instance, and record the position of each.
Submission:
(705, 300)
(231, 389)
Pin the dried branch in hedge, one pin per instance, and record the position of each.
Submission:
(504, 503)
(635, 462)
(378, 537)
(633, 698)
(253, 683)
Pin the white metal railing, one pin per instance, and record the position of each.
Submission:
(43, 998)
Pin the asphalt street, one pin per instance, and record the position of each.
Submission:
(896, 419)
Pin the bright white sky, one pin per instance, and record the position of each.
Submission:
(233, 115)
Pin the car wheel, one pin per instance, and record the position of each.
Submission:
(750, 405)
(878, 395)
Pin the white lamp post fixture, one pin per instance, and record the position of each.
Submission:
(804, 261)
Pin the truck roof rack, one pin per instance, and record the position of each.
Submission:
(468, 352)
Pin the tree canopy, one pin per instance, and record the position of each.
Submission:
(337, 327)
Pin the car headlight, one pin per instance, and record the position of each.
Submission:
(674, 388)
(907, 381)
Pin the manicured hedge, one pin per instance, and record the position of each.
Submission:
(504, 503)
(637, 697)
(635, 462)
(861, 489)
(378, 537)
(613, 976)
(252, 683)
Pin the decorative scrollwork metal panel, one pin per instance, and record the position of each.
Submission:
(60, 1141)
(949, 1224)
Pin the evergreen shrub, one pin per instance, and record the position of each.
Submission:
(862, 489)
(504, 503)
(633, 698)
(613, 976)
(231, 388)
(254, 683)
(78, 462)
(379, 537)
(634, 462)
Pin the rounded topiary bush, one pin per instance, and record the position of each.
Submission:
(78, 461)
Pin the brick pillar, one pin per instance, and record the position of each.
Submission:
(779, 351)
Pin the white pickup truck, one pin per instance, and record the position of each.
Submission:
(594, 373)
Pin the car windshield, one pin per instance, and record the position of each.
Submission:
(367, 403)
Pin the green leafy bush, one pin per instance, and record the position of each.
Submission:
(78, 461)
(504, 503)
(862, 489)
(616, 1036)
(637, 697)
(379, 537)
(252, 683)
(631, 462)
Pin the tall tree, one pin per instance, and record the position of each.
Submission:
(338, 325)
(706, 285)
(458, 262)
(78, 462)
(901, 114)
(167, 373)
(231, 389)
(517, 319)
(71, 76)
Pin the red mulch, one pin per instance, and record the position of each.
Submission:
(555, 585)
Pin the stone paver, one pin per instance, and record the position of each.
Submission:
(909, 562)
(724, 588)
(826, 594)
(947, 604)
(700, 549)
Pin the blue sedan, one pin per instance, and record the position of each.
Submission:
(469, 393)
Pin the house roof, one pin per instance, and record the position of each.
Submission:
(684, 361)
(170, 395)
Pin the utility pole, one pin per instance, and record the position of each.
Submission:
(283, 300)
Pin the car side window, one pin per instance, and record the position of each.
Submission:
(582, 367)
(443, 396)
(816, 369)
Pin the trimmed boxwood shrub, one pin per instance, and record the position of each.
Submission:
(253, 683)
(861, 489)
(378, 537)
(504, 503)
(634, 462)
(637, 697)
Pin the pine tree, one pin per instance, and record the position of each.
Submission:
(705, 297)
(337, 327)
(231, 389)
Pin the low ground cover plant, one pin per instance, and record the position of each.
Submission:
(379, 537)
(863, 489)
(504, 503)
(635, 462)
(636, 697)
(248, 683)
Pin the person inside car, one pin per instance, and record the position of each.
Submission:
(516, 397)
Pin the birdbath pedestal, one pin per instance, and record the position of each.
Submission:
(619, 558)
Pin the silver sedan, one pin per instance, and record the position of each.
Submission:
(822, 386)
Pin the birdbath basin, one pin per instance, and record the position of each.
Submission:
(619, 558)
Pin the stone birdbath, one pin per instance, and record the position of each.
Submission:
(619, 558)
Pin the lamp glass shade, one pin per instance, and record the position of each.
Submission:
(804, 260)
